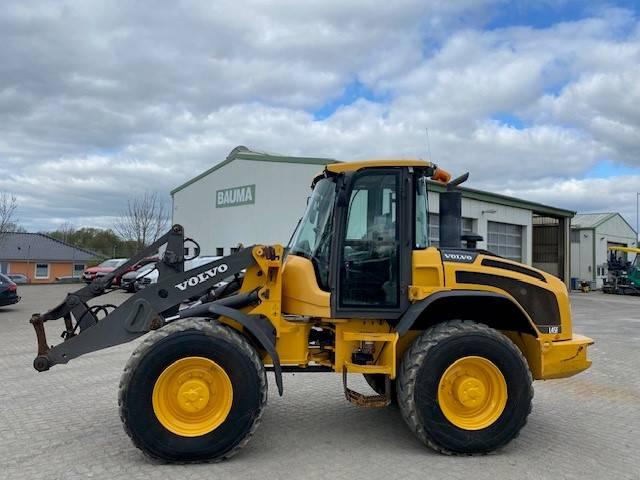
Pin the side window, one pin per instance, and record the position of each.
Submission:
(369, 257)
(422, 214)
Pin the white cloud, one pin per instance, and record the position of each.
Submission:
(98, 100)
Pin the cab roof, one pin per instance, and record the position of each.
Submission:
(353, 166)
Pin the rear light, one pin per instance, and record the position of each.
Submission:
(13, 288)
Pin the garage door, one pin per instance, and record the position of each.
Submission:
(505, 239)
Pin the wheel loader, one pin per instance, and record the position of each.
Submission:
(453, 335)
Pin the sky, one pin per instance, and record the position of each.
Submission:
(103, 100)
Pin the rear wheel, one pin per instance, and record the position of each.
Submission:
(193, 391)
(464, 388)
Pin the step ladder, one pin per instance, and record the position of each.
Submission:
(388, 341)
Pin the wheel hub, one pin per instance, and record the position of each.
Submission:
(192, 396)
(472, 393)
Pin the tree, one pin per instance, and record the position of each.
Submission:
(66, 230)
(8, 205)
(105, 243)
(144, 220)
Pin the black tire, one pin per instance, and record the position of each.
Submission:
(186, 338)
(376, 382)
(425, 362)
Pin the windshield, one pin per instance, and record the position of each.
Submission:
(147, 267)
(312, 239)
(111, 263)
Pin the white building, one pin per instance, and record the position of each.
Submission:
(253, 197)
(591, 235)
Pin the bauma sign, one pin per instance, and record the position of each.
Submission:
(236, 196)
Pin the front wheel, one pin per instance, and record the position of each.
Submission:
(193, 391)
(464, 388)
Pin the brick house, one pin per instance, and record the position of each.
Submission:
(42, 258)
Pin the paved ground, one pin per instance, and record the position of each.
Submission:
(64, 424)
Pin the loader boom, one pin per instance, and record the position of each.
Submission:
(146, 310)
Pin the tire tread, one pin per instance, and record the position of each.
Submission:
(413, 360)
(207, 327)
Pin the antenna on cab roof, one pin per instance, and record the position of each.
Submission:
(428, 145)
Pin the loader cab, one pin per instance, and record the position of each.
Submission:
(359, 230)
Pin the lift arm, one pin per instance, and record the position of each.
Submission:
(144, 311)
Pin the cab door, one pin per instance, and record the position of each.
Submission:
(371, 257)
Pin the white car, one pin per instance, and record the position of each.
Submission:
(148, 274)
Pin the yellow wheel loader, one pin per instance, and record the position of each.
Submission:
(454, 334)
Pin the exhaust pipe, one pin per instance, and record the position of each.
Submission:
(451, 214)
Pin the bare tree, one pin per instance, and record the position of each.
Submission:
(66, 229)
(8, 205)
(144, 220)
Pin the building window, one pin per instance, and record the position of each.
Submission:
(78, 268)
(575, 236)
(505, 239)
(234, 249)
(219, 251)
(42, 270)
(434, 228)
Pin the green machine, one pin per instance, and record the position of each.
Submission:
(623, 276)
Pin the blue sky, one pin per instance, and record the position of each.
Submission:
(545, 14)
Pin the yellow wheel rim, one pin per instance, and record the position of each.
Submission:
(472, 393)
(192, 396)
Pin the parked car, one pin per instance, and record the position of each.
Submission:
(8, 291)
(128, 279)
(17, 278)
(101, 270)
(146, 278)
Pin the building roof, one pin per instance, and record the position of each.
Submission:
(38, 246)
(594, 220)
(243, 153)
(499, 199)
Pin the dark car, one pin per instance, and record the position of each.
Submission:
(8, 291)
(17, 278)
(128, 280)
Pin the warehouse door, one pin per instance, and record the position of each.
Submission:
(546, 245)
(505, 239)
(552, 245)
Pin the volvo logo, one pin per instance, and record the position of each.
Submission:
(202, 277)
(458, 257)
